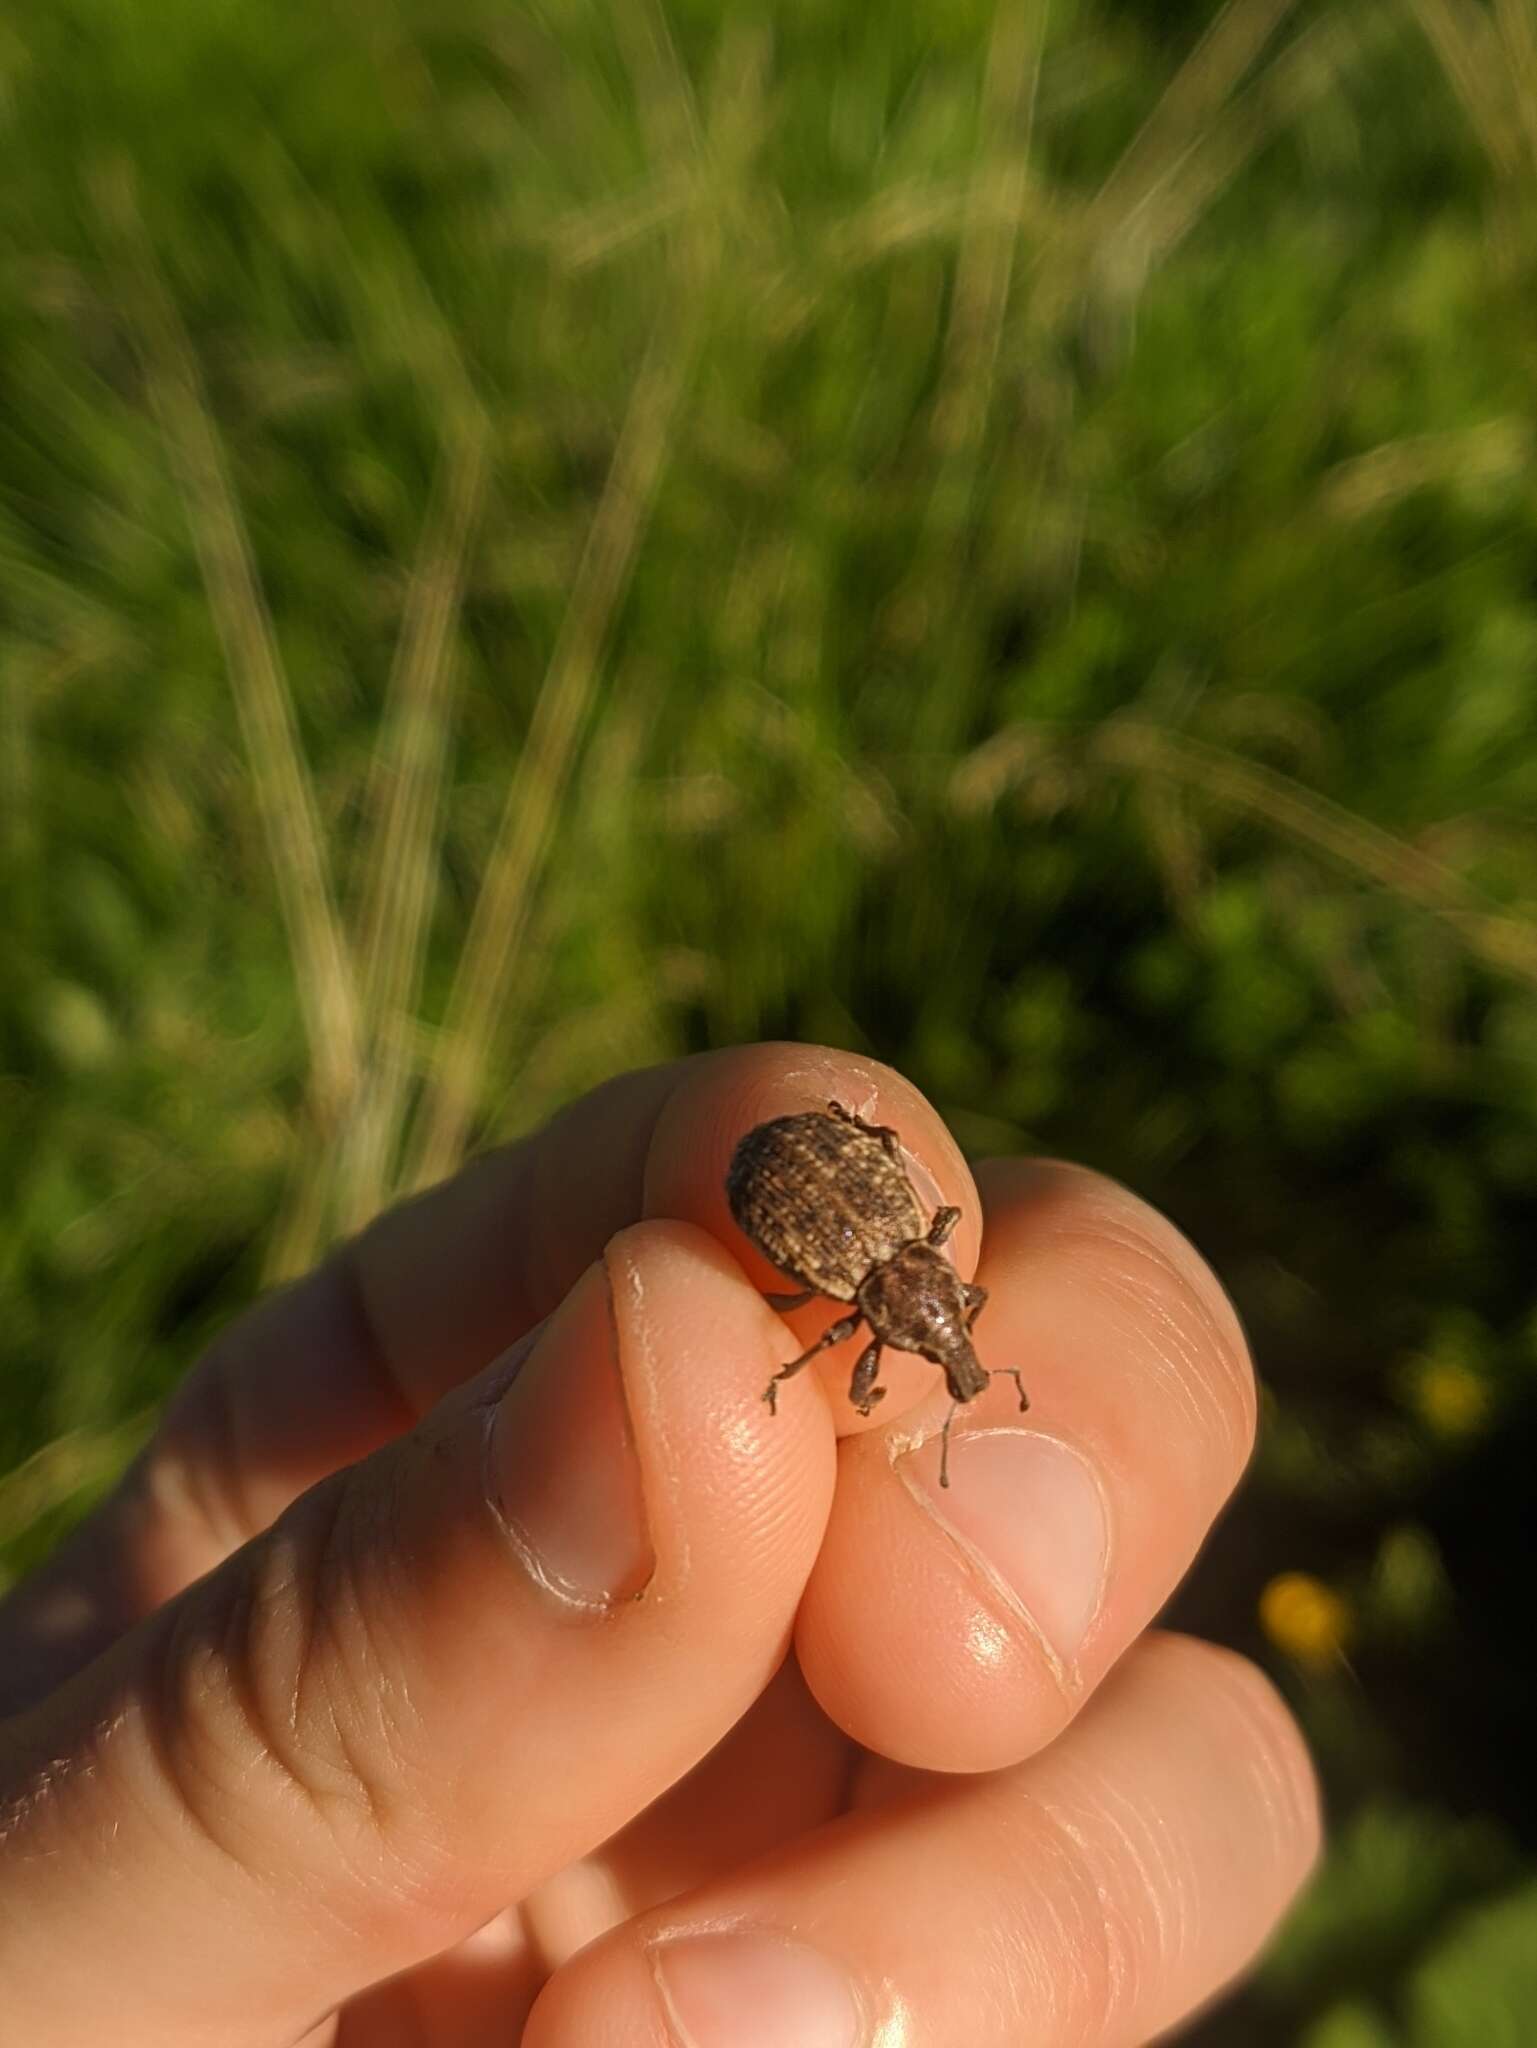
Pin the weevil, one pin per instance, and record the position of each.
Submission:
(825, 1197)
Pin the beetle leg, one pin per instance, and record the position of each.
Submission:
(1011, 1372)
(944, 1222)
(833, 1334)
(976, 1301)
(863, 1391)
(783, 1302)
(887, 1134)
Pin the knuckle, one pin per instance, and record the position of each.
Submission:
(190, 1475)
(270, 1704)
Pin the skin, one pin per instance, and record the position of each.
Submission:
(472, 1658)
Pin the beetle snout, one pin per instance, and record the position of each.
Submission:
(963, 1375)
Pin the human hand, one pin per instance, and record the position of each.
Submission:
(425, 1681)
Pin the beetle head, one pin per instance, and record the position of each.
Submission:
(916, 1301)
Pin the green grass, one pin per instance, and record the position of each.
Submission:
(532, 539)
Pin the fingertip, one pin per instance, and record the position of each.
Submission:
(1223, 1760)
(605, 1997)
(907, 1647)
(725, 1094)
(1250, 1717)
(1015, 1589)
(722, 1096)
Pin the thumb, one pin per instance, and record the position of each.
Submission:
(439, 1677)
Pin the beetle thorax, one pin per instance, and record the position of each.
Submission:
(916, 1301)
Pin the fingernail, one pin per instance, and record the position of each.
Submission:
(754, 1990)
(1029, 1510)
(563, 1474)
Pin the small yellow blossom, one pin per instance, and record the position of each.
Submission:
(1305, 1619)
(1450, 1398)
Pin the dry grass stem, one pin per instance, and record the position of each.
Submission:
(284, 793)
(1467, 41)
(303, 1225)
(1198, 90)
(1493, 452)
(500, 922)
(54, 1475)
(1131, 746)
(1301, 75)
(994, 209)
(591, 234)
(500, 918)
(403, 805)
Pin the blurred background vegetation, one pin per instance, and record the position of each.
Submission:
(536, 538)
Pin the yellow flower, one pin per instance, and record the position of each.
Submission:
(1305, 1619)
(1452, 1400)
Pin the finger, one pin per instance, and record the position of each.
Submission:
(719, 1099)
(452, 1278)
(961, 1628)
(782, 1770)
(443, 1675)
(324, 1372)
(1088, 1898)
(321, 1372)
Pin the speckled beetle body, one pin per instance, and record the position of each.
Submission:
(824, 1196)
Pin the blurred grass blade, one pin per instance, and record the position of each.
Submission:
(500, 922)
(403, 803)
(1198, 90)
(1297, 78)
(285, 797)
(1134, 746)
(1467, 44)
(591, 234)
(69, 1465)
(984, 268)
(664, 97)
(994, 209)
(1493, 452)
(1517, 21)
(303, 1223)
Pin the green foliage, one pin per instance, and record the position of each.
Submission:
(994, 536)
(1391, 1874)
(1478, 1989)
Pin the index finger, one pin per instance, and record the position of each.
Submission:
(451, 1279)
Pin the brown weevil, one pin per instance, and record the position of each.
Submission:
(824, 1196)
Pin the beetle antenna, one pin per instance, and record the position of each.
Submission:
(1011, 1372)
(944, 1446)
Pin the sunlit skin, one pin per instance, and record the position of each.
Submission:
(473, 1658)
